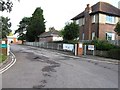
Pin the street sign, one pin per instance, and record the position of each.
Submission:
(91, 47)
(3, 45)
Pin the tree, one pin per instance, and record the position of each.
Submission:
(6, 24)
(70, 31)
(22, 28)
(6, 5)
(36, 26)
(117, 28)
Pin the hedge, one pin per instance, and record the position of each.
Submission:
(114, 53)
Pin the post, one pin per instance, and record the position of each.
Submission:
(75, 49)
(80, 49)
(85, 48)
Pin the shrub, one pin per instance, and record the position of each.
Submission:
(114, 53)
(103, 45)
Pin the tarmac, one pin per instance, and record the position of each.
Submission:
(11, 59)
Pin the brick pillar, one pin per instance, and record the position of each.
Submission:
(3, 47)
(79, 49)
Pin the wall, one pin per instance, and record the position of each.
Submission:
(103, 28)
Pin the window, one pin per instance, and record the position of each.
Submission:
(93, 18)
(110, 36)
(110, 19)
(83, 36)
(93, 35)
(77, 21)
(82, 21)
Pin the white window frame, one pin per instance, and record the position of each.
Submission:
(93, 35)
(93, 18)
(77, 21)
(110, 36)
(83, 36)
(110, 19)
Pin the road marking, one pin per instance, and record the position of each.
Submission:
(9, 65)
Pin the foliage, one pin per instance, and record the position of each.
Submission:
(6, 24)
(2, 58)
(36, 26)
(114, 53)
(102, 45)
(117, 28)
(6, 5)
(22, 28)
(70, 31)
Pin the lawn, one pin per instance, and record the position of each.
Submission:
(3, 58)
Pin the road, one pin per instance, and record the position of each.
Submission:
(42, 68)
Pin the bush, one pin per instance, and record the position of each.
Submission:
(114, 53)
(103, 45)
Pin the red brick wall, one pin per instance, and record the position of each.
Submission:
(103, 28)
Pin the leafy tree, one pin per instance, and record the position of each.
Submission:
(117, 28)
(6, 24)
(70, 31)
(6, 5)
(22, 28)
(36, 26)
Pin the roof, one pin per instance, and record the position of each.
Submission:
(49, 33)
(101, 7)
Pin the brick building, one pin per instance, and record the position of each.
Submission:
(51, 35)
(98, 21)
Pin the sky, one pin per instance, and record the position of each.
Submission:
(56, 12)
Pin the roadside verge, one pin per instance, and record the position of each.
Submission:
(9, 63)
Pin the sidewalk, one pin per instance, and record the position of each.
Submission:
(90, 57)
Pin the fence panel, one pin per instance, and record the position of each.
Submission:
(56, 46)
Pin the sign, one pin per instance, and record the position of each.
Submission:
(91, 47)
(3, 42)
(80, 45)
(3, 45)
(69, 47)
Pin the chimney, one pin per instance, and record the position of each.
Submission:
(88, 8)
(88, 5)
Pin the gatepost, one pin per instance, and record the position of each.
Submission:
(3, 46)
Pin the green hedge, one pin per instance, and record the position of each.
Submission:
(114, 53)
(103, 45)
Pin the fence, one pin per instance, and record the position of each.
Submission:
(114, 42)
(56, 46)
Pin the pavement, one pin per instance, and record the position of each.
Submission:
(90, 57)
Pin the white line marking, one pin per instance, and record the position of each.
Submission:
(9, 65)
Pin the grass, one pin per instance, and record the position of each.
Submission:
(2, 58)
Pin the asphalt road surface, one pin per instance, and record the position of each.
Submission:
(42, 68)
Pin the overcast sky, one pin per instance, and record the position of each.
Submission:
(56, 12)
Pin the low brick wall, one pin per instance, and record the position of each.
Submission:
(98, 53)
